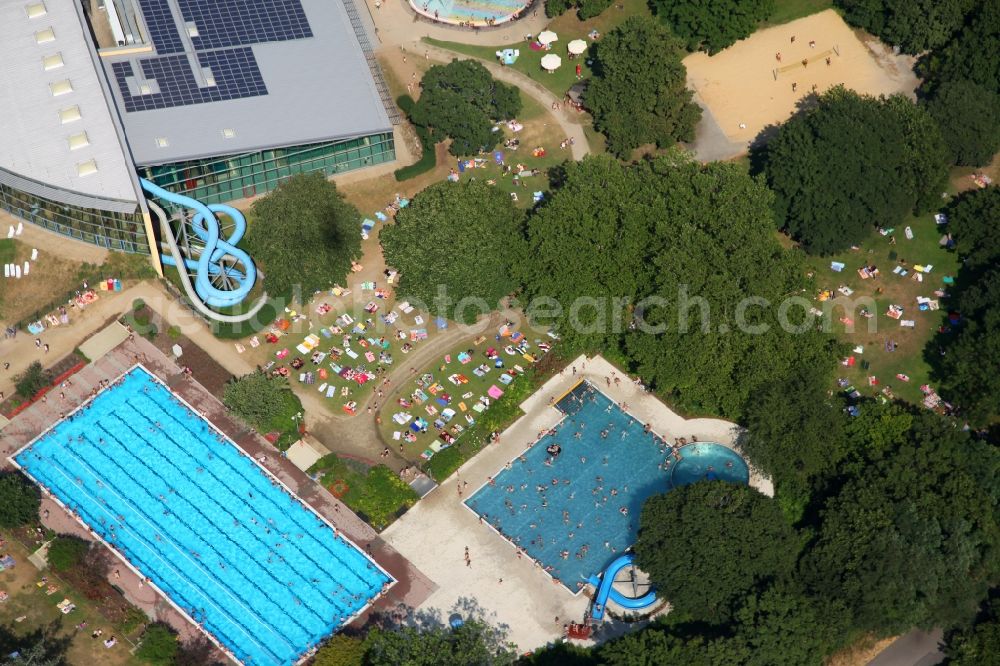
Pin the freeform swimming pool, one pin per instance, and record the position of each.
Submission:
(260, 572)
(477, 12)
(575, 513)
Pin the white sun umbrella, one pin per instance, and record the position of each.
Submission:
(577, 46)
(547, 37)
(551, 62)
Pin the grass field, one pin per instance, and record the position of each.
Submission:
(888, 289)
(30, 609)
(568, 27)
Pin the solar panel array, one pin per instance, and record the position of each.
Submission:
(238, 22)
(161, 26)
(226, 29)
(235, 72)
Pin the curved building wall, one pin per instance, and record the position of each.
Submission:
(114, 224)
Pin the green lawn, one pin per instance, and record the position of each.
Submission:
(789, 10)
(538, 131)
(890, 289)
(568, 27)
(375, 493)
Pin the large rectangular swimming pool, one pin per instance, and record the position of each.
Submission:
(229, 545)
(576, 511)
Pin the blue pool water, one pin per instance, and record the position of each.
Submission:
(258, 570)
(568, 515)
(477, 11)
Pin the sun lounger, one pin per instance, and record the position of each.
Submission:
(331, 391)
(908, 232)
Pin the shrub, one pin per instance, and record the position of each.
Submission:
(158, 645)
(341, 650)
(67, 552)
(138, 304)
(19, 500)
(174, 333)
(32, 380)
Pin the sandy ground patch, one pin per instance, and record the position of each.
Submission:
(739, 86)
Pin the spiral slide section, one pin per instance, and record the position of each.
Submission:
(605, 590)
(209, 263)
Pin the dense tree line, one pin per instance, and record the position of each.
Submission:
(585, 9)
(850, 163)
(913, 25)
(712, 25)
(638, 94)
(959, 353)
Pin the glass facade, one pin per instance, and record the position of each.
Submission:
(113, 230)
(229, 177)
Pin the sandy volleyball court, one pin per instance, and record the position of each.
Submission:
(744, 96)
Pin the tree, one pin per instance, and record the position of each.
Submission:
(45, 646)
(158, 645)
(796, 435)
(782, 625)
(973, 55)
(972, 221)
(707, 545)
(474, 643)
(462, 101)
(852, 162)
(67, 552)
(19, 500)
(712, 25)
(32, 380)
(638, 92)
(684, 278)
(341, 650)
(197, 651)
(259, 398)
(914, 25)
(456, 241)
(910, 538)
(585, 9)
(965, 378)
(979, 643)
(969, 117)
(304, 236)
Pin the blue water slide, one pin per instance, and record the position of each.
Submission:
(209, 263)
(605, 590)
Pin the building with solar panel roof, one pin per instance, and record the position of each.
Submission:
(216, 99)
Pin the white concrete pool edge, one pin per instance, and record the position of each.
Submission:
(112, 384)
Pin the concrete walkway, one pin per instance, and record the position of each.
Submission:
(917, 648)
(569, 123)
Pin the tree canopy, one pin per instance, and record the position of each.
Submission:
(712, 25)
(913, 25)
(684, 278)
(850, 163)
(260, 399)
(585, 9)
(303, 236)
(978, 643)
(969, 117)
(459, 241)
(638, 91)
(158, 645)
(19, 500)
(474, 643)
(795, 435)
(972, 55)
(965, 380)
(462, 101)
(707, 545)
(909, 539)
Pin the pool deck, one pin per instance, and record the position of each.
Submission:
(412, 587)
(434, 534)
